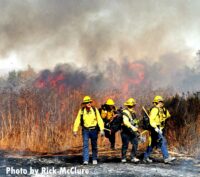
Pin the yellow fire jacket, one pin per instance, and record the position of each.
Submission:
(90, 119)
(128, 121)
(158, 116)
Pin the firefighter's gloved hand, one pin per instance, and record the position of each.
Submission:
(135, 129)
(102, 133)
(158, 130)
(142, 138)
(138, 134)
(108, 124)
(75, 134)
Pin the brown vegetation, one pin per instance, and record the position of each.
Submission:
(37, 112)
(41, 120)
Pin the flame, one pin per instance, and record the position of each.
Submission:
(134, 77)
(55, 80)
(52, 81)
(40, 84)
(130, 76)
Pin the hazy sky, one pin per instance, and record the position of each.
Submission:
(43, 33)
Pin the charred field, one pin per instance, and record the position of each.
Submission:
(109, 165)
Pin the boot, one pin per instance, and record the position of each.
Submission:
(85, 163)
(94, 162)
(169, 159)
(123, 161)
(135, 160)
(147, 160)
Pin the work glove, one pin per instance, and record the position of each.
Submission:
(135, 129)
(107, 124)
(142, 139)
(158, 130)
(115, 115)
(75, 134)
(102, 133)
(138, 134)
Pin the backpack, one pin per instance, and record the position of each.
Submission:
(106, 109)
(82, 111)
(117, 123)
(145, 119)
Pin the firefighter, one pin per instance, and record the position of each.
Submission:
(158, 116)
(129, 131)
(90, 120)
(108, 113)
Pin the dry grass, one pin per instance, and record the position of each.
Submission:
(183, 129)
(41, 120)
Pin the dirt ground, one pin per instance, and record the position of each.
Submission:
(109, 165)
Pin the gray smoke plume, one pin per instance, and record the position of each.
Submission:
(162, 35)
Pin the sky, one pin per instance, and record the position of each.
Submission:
(86, 33)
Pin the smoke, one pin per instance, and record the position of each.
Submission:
(161, 35)
(127, 76)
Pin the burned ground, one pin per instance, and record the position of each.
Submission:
(109, 164)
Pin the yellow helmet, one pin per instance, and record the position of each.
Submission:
(87, 99)
(110, 102)
(157, 99)
(130, 102)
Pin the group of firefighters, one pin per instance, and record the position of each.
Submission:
(94, 120)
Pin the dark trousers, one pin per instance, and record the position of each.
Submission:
(158, 140)
(111, 137)
(92, 135)
(126, 138)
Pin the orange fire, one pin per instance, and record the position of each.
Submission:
(54, 80)
(132, 74)
(134, 77)
(40, 84)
